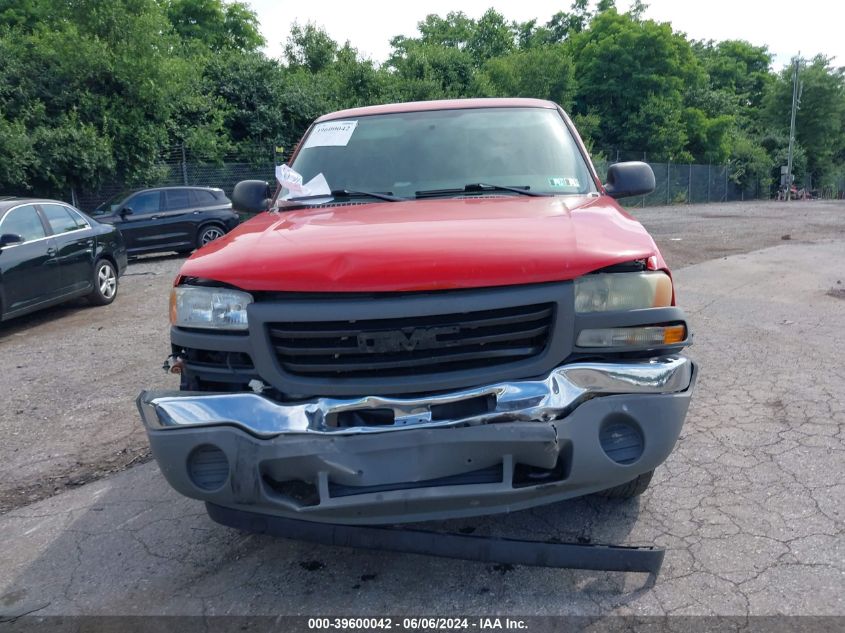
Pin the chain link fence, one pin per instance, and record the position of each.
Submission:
(685, 183)
(676, 183)
(178, 168)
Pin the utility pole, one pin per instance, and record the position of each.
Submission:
(796, 99)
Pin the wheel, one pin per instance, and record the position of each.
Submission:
(209, 234)
(633, 488)
(105, 283)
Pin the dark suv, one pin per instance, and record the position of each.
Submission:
(169, 218)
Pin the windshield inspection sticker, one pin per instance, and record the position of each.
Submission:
(564, 182)
(331, 134)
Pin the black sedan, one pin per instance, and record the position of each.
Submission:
(169, 218)
(50, 252)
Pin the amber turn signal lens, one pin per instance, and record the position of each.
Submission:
(173, 306)
(674, 334)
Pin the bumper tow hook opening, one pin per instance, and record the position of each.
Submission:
(173, 364)
(488, 549)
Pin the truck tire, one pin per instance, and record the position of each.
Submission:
(105, 283)
(633, 488)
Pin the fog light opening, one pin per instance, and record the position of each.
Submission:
(622, 441)
(208, 468)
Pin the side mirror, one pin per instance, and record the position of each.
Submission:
(126, 211)
(629, 179)
(9, 239)
(251, 196)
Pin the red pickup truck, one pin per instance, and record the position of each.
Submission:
(440, 312)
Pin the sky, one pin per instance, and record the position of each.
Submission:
(807, 27)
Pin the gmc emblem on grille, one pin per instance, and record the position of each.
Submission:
(407, 339)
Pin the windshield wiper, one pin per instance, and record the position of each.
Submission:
(479, 187)
(346, 193)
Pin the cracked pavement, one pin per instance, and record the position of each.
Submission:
(749, 506)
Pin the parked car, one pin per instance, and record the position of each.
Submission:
(169, 218)
(51, 252)
(446, 314)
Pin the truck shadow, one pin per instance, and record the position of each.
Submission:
(129, 544)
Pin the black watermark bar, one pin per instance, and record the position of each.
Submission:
(448, 545)
(420, 623)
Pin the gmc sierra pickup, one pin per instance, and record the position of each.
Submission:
(440, 311)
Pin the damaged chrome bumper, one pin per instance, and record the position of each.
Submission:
(530, 400)
(583, 428)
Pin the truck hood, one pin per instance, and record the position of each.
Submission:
(424, 245)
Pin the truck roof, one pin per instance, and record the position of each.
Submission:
(441, 104)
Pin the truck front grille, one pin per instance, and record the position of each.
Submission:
(377, 348)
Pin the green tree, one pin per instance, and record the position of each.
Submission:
(637, 10)
(545, 72)
(588, 128)
(738, 77)
(563, 24)
(750, 163)
(708, 138)
(98, 77)
(356, 81)
(634, 76)
(94, 89)
(104, 88)
(727, 109)
(820, 121)
(19, 156)
(425, 71)
(217, 25)
(453, 31)
(559, 28)
(309, 47)
(491, 36)
(488, 37)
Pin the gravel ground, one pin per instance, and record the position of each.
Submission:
(70, 377)
(691, 234)
(72, 373)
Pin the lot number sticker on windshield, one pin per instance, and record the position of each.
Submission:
(331, 134)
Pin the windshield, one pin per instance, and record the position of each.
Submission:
(111, 205)
(411, 152)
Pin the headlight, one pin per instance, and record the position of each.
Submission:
(606, 292)
(214, 308)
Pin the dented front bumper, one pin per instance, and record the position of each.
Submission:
(583, 428)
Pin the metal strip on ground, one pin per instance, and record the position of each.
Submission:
(490, 549)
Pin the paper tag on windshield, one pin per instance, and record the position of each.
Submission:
(285, 174)
(318, 186)
(331, 134)
(290, 180)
